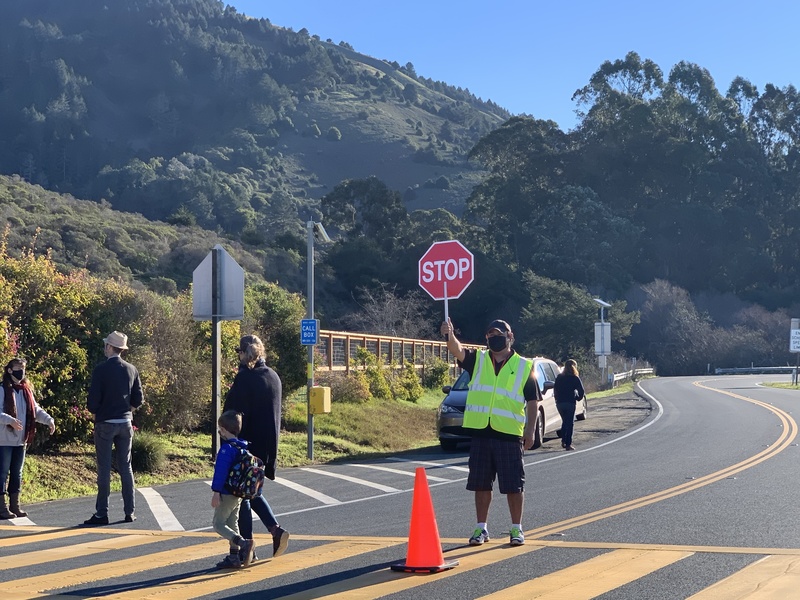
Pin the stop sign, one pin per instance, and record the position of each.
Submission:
(446, 263)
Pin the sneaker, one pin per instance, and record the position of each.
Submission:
(231, 561)
(130, 518)
(517, 537)
(255, 556)
(280, 540)
(95, 520)
(478, 537)
(246, 548)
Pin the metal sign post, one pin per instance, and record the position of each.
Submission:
(217, 295)
(794, 346)
(602, 339)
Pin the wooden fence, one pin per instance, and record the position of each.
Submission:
(337, 348)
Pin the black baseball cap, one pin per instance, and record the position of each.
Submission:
(500, 325)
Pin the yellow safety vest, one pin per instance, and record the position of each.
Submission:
(497, 400)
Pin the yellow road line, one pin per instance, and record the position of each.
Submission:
(788, 434)
(592, 577)
(771, 578)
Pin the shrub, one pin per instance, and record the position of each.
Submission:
(352, 388)
(406, 385)
(375, 374)
(148, 453)
(436, 373)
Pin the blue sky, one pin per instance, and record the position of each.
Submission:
(529, 56)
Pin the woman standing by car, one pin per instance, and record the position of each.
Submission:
(568, 390)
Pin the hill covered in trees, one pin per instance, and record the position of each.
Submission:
(188, 112)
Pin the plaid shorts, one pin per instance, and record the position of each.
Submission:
(490, 457)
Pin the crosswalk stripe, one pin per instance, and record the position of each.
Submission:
(23, 588)
(769, 578)
(31, 538)
(319, 496)
(364, 482)
(775, 576)
(218, 581)
(399, 472)
(427, 463)
(26, 559)
(164, 516)
(377, 584)
(592, 577)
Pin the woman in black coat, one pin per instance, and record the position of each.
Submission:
(568, 391)
(256, 393)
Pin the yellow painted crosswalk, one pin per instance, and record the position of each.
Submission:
(179, 565)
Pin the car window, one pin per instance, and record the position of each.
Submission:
(548, 371)
(462, 383)
(540, 377)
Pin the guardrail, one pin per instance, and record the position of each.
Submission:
(614, 378)
(754, 370)
(338, 348)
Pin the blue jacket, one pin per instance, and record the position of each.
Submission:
(228, 452)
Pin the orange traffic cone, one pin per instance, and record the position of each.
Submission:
(424, 548)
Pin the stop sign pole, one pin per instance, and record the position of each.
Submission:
(446, 270)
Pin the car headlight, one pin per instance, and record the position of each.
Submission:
(446, 408)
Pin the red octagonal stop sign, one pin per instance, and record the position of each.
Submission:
(446, 264)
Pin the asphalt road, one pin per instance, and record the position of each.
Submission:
(688, 491)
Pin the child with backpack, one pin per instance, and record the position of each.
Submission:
(226, 505)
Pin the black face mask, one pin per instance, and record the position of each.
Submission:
(497, 343)
(19, 374)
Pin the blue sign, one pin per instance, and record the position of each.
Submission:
(309, 332)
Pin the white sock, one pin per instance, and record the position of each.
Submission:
(517, 525)
(483, 526)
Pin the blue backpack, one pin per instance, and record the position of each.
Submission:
(246, 476)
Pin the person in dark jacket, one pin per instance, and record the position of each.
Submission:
(114, 392)
(568, 391)
(256, 393)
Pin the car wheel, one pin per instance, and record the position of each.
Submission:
(538, 435)
(582, 416)
(448, 445)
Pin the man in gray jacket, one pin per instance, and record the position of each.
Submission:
(115, 391)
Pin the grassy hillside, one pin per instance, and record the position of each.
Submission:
(80, 234)
(186, 111)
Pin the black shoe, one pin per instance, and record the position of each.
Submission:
(130, 518)
(280, 540)
(231, 561)
(95, 520)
